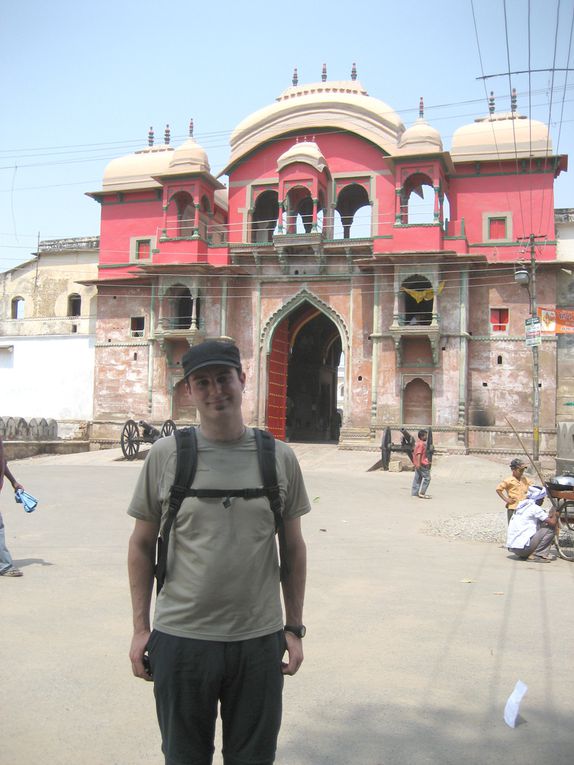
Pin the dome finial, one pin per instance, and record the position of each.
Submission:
(150, 137)
(513, 100)
(354, 72)
(324, 73)
(166, 135)
(421, 108)
(191, 128)
(295, 77)
(491, 102)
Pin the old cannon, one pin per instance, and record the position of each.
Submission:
(136, 433)
(406, 446)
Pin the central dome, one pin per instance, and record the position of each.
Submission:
(344, 105)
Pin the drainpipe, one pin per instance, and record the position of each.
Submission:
(376, 339)
(259, 399)
(150, 354)
(223, 312)
(463, 356)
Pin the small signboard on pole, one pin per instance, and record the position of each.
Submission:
(533, 331)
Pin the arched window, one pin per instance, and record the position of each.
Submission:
(305, 215)
(445, 212)
(417, 402)
(204, 217)
(418, 300)
(418, 200)
(352, 199)
(179, 310)
(17, 308)
(185, 214)
(264, 221)
(74, 305)
(299, 211)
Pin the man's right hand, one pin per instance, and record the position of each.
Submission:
(137, 650)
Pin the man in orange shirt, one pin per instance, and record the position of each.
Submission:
(514, 489)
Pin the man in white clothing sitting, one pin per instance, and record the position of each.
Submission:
(531, 529)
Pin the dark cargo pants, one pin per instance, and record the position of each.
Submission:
(191, 677)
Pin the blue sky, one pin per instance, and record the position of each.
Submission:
(82, 82)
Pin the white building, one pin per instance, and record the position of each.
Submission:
(47, 322)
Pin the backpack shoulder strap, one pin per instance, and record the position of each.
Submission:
(186, 465)
(265, 444)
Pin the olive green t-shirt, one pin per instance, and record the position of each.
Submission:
(222, 579)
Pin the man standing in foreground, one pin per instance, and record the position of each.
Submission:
(514, 489)
(7, 567)
(421, 462)
(218, 635)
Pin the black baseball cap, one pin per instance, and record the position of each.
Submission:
(211, 353)
(518, 463)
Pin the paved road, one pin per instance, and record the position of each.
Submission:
(414, 642)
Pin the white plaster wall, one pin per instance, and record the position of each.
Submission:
(565, 245)
(47, 377)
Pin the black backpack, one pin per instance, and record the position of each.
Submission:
(186, 465)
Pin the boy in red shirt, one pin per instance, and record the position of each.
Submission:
(422, 467)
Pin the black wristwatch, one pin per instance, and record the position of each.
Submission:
(299, 631)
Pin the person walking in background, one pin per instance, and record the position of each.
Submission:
(421, 462)
(7, 567)
(218, 636)
(514, 489)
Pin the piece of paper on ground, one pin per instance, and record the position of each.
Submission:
(513, 704)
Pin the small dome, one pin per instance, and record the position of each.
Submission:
(507, 135)
(303, 151)
(190, 157)
(420, 138)
(135, 171)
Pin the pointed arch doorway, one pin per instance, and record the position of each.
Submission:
(302, 377)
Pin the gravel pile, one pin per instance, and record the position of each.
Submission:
(488, 527)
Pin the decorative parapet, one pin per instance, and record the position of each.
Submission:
(564, 215)
(75, 243)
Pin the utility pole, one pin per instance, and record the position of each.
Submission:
(528, 279)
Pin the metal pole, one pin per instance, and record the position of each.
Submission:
(535, 361)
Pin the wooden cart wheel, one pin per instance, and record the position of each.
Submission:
(130, 440)
(386, 449)
(168, 428)
(564, 539)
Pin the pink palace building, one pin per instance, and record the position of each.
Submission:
(365, 271)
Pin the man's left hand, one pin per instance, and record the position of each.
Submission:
(294, 652)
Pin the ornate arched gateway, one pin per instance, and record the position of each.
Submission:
(304, 345)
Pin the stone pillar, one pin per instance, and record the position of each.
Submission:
(398, 210)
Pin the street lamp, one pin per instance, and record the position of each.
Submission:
(527, 278)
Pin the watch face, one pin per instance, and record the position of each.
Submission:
(299, 631)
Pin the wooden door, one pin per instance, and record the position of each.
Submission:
(277, 381)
